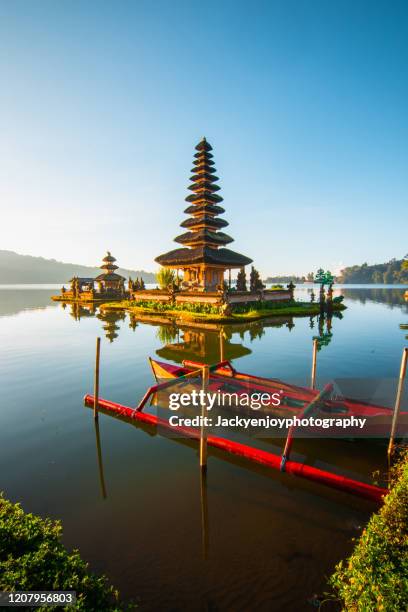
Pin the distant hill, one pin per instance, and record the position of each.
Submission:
(391, 272)
(15, 268)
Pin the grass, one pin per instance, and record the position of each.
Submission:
(295, 309)
(375, 577)
(32, 557)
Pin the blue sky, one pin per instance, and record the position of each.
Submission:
(304, 102)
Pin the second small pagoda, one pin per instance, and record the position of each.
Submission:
(203, 258)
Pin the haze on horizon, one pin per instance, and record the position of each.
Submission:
(304, 104)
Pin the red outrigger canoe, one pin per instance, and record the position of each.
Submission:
(294, 399)
(303, 400)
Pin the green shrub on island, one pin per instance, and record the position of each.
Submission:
(375, 577)
(251, 310)
(265, 305)
(241, 280)
(33, 558)
(213, 309)
(255, 283)
(185, 307)
(166, 278)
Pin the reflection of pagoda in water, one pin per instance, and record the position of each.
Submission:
(79, 311)
(211, 342)
(198, 344)
(110, 320)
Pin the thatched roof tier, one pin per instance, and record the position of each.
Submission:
(203, 145)
(203, 158)
(109, 276)
(204, 154)
(206, 196)
(206, 220)
(202, 236)
(204, 185)
(211, 209)
(109, 266)
(203, 176)
(203, 255)
(204, 168)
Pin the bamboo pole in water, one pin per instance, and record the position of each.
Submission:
(204, 512)
(221, 344)
(403, 371)
(100, 462)
(96, 382)
(203, 432)
(314, 359)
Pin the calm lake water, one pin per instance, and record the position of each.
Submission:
(132, 501)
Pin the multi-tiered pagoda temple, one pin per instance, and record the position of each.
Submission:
(203, 257)
(109, 285)
(110, 280)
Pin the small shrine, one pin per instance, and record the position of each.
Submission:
(106, 287)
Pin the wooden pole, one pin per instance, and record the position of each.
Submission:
(204, 512)
(203, 433)
(221, 344)
(403, 371)
(314, 358)
(100, 463)
(96, 382)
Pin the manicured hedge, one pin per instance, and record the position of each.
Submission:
(32, 557)
(375, 577)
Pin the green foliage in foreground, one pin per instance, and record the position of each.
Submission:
(375, 577)
(32, 557)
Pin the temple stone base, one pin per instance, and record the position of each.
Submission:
(216, 298)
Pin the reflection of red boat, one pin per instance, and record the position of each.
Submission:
(224, 378)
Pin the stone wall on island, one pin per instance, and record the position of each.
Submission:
(214, 298)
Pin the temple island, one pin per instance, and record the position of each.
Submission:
(195, 278)
(108, 286)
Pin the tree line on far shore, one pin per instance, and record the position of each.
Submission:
(392, 272)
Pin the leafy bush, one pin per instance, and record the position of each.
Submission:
(32, 557)
(262, 305)
(375, 577)
(184, 306)
(339, 299)
(166, 277)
